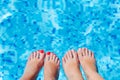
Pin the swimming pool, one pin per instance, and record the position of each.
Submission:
(57, 26)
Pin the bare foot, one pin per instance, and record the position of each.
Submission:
(87, 61)
(51, 67)
(34, 64)
(71, 66)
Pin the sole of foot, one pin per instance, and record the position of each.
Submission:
(71, 66)
(51, 67)
(33, 66)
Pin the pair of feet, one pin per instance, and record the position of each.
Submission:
(83, 57)
(71, 62)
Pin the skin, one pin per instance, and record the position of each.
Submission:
(71, 66)
(51, 67)
(33, 66)
(35, 63)
(87, 61)
(71, 62)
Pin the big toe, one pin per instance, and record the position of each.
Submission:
(47, 58)
(74, 53)
(80, 54)
(87, 53)
(40, 54)
(51, 57)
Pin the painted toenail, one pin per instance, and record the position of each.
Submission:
(48, 53)
(41, 51)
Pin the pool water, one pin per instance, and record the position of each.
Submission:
(58, 26)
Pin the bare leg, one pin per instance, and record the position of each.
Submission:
(71, 66)
(34, 64)
(51, 67)
(87, 61)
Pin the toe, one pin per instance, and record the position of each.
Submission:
(38, 55)
(51, 56)
(70, 54)
(56, 60)
(33, 55)
(83, 51)
(80, 53)
(86, 52)
(89, 53)
(74, 53)
(54, 57)
(41, 54)
(47, 56)
(41, 51)
(67, 55)
(92, 54)
(63, 60)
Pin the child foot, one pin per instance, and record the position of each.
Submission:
(34, 64)
(87, 61)
(71, 66)
(51, 67)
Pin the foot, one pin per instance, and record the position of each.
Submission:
(51, 67)
(87, 61)
(71, 66)
(34, 64)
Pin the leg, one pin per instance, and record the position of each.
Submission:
(51, 67)
(71, 66)
(34, 64)
(87, 60)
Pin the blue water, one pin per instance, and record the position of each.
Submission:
(58, 26)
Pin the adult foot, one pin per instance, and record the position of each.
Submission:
(71, 66)
(51, 67)
(88, 63)
(34, 64)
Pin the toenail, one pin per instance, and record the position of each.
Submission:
(41, 51)
(48, 53)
